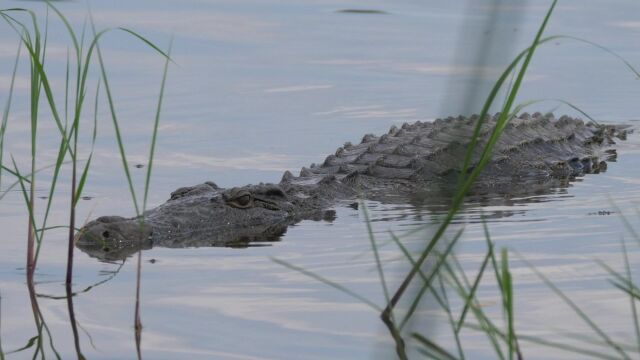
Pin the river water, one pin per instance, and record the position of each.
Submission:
(260, 87)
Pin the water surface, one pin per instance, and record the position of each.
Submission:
(266, 86)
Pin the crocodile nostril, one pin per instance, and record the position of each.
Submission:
(106, 234)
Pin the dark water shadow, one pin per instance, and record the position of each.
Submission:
(194, 239)
(38, 341)
(72, 320)
(426, 206)
(110, 276)
(44, 336)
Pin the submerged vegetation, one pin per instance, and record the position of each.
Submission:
(434, 272)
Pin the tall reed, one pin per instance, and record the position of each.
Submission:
(77, 78)
(445, 272)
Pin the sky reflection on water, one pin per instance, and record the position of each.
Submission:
(265, 86)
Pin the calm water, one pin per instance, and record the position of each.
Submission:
(266, 86)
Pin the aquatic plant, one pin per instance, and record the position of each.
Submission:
(440, 272)
(78, 65)
(435, 269)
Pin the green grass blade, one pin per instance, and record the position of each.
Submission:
(58, 165)
(94, 44)
(507, 294)
(66, 92)
(52, 227)
(376, 255)
(577, 310)
(509, 70)
(152, 45)
(462, 191)
(40, 80)
(44, 81)
(483, 113)
(452, 323)
(52, 189)
(116, 125)
(25, 194)
(80, 80)
(67, 25)
(46, 37)
(474, 288)
(23, 179)
(10, 171)
(333, 284)
(489, 329)
(82, 35)
(621, 279)
(433, 347)
(36, 54)
(553, 344)
(494, 263)
(607, 50)
(591, 340)
(155, 128)
(578, 109)
(21, 30)
(625, 221)
(520, 107)
(427, 283)
(111, 102)
(111, 276)
(426, 354)
(509, 86)
(503, 119)
(631, 291)
(29, 344)
(444, 303)
(566, 347)
(7, 108)
(85, 171)
(387, 316)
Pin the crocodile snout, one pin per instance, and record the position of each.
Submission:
(108, 233)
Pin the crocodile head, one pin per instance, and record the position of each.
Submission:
(201, 215)
(113, 237)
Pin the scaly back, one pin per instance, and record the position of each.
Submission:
(531, 147)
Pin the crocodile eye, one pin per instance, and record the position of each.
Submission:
(241, 200)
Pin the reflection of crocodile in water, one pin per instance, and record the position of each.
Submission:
(418, 162)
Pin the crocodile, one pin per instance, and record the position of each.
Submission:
(423, 160)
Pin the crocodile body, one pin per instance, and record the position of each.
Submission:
(534, 154)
